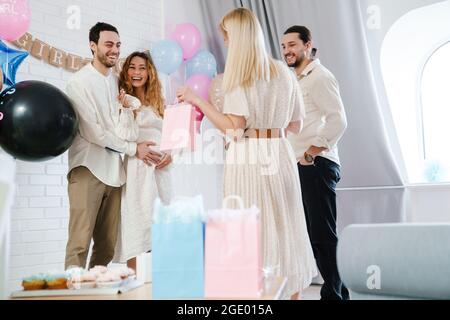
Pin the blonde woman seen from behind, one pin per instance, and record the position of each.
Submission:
(262, 101)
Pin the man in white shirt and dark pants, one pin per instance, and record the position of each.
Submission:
(317, 153)
(96, 172)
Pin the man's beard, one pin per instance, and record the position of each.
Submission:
(297, 62)
(104, 60)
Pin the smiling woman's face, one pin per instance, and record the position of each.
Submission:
(137, 72)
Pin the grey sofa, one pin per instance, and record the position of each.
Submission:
(396, 261)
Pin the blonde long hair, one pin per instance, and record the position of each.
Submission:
(153, 89)
(247, 60)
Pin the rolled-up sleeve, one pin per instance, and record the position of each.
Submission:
(326, 96)
(90, 129)
(127, 128)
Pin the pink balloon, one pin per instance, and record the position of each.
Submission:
(15, 16)
(200, 83)
(188, 37)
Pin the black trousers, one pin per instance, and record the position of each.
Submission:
(319, 183)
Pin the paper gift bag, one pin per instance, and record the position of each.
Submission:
(177, 249)
(233, 253)
(178, 131)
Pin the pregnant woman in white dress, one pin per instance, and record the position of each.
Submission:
(141, 120)
(262, 99)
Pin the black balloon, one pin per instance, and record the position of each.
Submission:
(39, 121)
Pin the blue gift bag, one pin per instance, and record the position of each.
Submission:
(178, 249)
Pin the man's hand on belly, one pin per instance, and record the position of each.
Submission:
(146, 154)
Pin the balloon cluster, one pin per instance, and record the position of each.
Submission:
(37, 120)
(184, 46)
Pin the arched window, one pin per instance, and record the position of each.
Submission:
(415, 63)
(435, 104)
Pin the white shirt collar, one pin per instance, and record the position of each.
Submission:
(94, 70)
(309, 68)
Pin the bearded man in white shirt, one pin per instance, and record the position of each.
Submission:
(317, 153)
(96, 173)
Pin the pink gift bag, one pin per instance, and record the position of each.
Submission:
(233, 252)
(178, 131)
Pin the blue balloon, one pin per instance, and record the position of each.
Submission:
(203, 62)
(167, 56)
(10, 61)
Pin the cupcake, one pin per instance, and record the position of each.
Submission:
(124, 272)
(99, 270)
(36, 282)
(56, 281)
(86, 280)
(109, 280)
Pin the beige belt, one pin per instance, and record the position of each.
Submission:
(264, 133)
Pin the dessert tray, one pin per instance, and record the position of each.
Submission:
(98, 281)
(112, 289)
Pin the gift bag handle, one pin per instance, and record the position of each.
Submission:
(237, 198)
(177, 102)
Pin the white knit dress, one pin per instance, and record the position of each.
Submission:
(143, 185)
(264, 173)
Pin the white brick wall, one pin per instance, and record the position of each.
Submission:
(40, 214)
